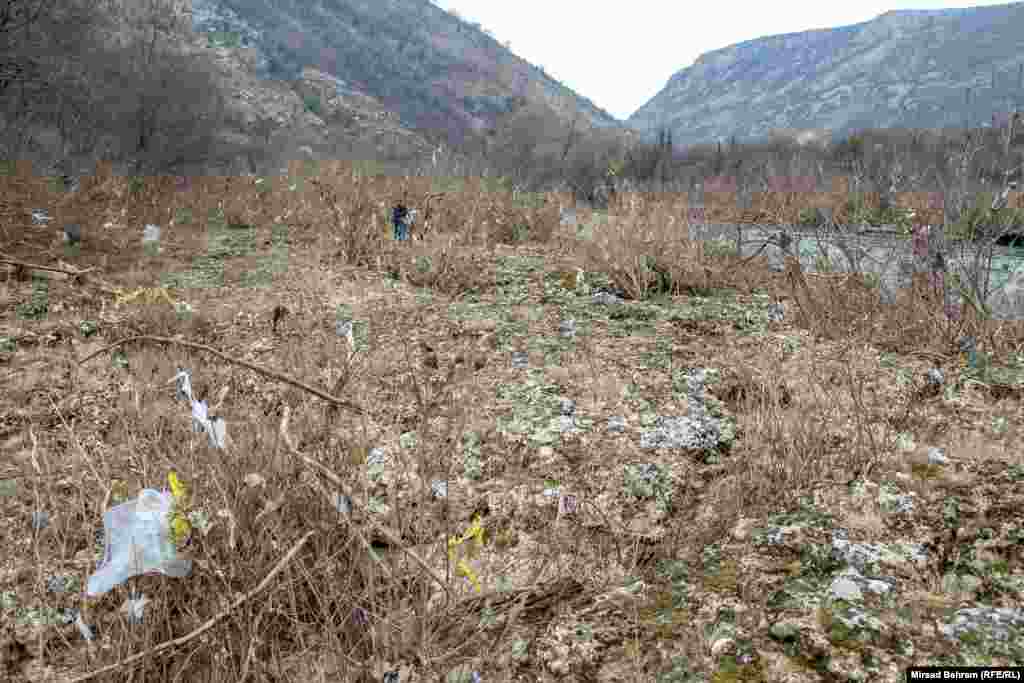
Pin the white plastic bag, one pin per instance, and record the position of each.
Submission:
(138, 541)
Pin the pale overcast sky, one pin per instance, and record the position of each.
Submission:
(620, 54)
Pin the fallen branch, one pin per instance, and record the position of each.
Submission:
(166, 645)
(25, 264)
(245, 364)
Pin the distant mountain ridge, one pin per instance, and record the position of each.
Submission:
(905, 68)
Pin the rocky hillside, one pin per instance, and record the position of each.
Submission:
(434, 72)
(239, 86)
(908, 68)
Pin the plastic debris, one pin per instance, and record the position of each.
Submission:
(344, 329)
(134, 608)
(605, 298)
(216, 429)
(137, 540)
(83, 628)
(61, 583)
(376, 456)
(70, 183)
(474, 533)
(342, 503)
(40, 520)
(40, 217)
(214, 426)
(520, 360)
(183, 385)
(969, 352)
(72, 233)
(566, 504)
(567, 328)
(151, 237)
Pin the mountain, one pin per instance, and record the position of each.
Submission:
(421, 68)
(903, 69)
(237, 86)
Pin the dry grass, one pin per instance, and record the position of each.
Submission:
(285, 587)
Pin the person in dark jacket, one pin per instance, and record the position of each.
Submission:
(399, 217)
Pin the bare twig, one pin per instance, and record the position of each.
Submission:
(166, 645)
(255, 368)
(25, 264)
(392, 538)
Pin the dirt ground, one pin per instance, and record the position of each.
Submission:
(486, 461)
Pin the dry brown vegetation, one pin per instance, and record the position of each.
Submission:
(285, 587)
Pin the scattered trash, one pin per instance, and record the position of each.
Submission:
(183, 385)
(474, 533)
(134, 609)
(936, 456)
(72, 233)
(62, 583)
(83, 628)
(70, 183)
(376, 456)
(344, 329)
(137, 540)
(439, 488)
(40, 217)
(390, 677)
(181, 528)
(566, 505)
(360, 617)
(567, 216)
(567, 406)
(567, 425)
(342, 503)
(215, 427)
(520, 360)
(40, 520)
(969, 351)
(776, 312)
(606, 298)
(567, 328)
(616, 423)
(151, 238)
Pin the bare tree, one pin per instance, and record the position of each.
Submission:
(91, 70)
(42, 43)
